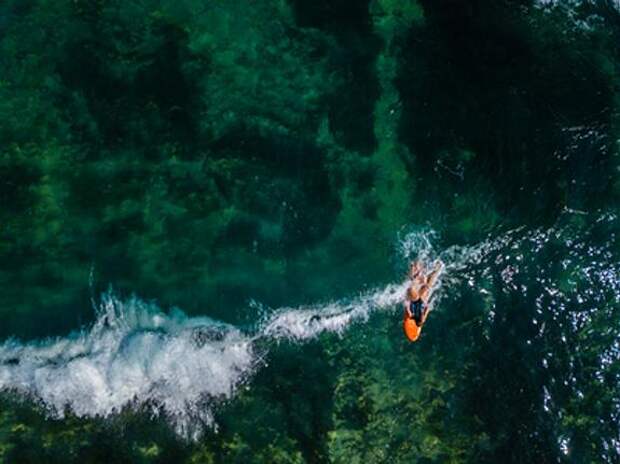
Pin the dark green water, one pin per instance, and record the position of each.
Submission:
(207, 210)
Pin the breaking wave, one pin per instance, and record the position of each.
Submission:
(179, 367)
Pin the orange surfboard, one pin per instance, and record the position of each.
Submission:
(412, 331)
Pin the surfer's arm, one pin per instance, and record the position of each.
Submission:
(432, 277)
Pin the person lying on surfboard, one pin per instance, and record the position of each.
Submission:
(417, 298)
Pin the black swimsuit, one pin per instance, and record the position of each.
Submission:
(416, 310)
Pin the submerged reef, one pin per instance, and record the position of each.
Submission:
(213, 154)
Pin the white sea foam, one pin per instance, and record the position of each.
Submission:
(306, 323)
(134, 355)
(137, 356)
(584, 15)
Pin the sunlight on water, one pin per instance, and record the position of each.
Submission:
(570, 280)
(179, 367)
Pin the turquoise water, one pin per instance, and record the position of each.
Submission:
(207, 211)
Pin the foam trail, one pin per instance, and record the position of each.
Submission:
(139, 357)
(303, 324)
(133, 355)
(308, 322)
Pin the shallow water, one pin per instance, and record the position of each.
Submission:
(208, 212)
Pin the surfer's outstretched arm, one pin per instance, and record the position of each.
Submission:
(432, 277)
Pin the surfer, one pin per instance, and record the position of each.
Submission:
(417, 298)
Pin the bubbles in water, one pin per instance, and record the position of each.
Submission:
(137, 356)
(134, 355)
(179, 367)
(306, 323)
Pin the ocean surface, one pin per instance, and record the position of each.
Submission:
(208, 210)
